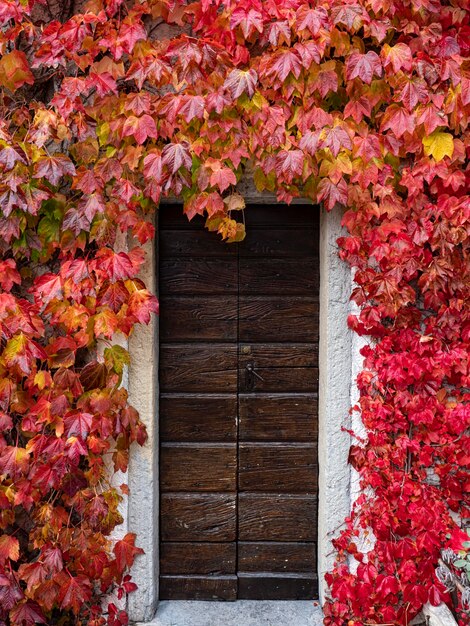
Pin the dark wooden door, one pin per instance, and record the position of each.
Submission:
(238, 407)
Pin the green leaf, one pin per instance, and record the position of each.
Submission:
(49, 229)
(116, 358)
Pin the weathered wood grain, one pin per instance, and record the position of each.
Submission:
(267, 556)
(279, 317)
(198, 417)
(278, 417)
(205, 276)
(277, 587)
(198, 587)
(279, 467)
(194, 243)
(278, 276)
(198, 467)
(198, 517)
(224, 307)
(279, 243)
(278, 355)
(276, 517)
(198, 318)
(198, 558)
(280, 379)
(198, 367)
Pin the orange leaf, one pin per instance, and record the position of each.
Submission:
(14, 70)
(9, 548)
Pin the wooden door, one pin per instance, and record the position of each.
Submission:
(238, 407)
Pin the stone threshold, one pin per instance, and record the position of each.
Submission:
(239, 613)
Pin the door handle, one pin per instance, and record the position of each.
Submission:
(251, 368)
(250, 375)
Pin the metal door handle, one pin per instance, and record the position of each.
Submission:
(251, 368)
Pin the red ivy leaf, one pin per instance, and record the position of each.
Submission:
(283, 63)
(53, 168)
(74, 593)
(398, 56)
(140, 128)
(398, 120)
(290, 163)
(22, 351)
(9, 275)
(335, 139)
(363, 66)
(116, 265)
(126, 551)
(9, 156)
(141, 304)
(78, 423)
(239, 82)
(27, 613)
(47, 287)
(14, 461)
(93, 376)
(103, 82)
(223, 177)
(250, 20)
(331, 193)
(311, 19)
(176, 155)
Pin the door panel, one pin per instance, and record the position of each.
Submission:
(278, 276)
(199, 587)
(275, 517)
(198, 467)
(279, 242)
(198, 318)
(192, 243)
(198, 276)
(269, 586)
(198, 367)
(198, 517)
(278, 355)
(278, 417)
(278, 318)
(278, 467)
(198, 558)
(268, 556)
(238, 407)
(190, 417)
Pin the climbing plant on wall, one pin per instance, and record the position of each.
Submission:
(109, 105)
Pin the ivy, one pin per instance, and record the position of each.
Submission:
(109, 106)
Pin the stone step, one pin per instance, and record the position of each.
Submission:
(240, 613)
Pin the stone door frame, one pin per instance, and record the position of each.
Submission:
(337, 366)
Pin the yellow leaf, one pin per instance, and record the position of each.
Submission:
(102, 132)
(42, 379)
(438, 145)
(239, 234)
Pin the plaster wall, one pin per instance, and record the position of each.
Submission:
(339, 361)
